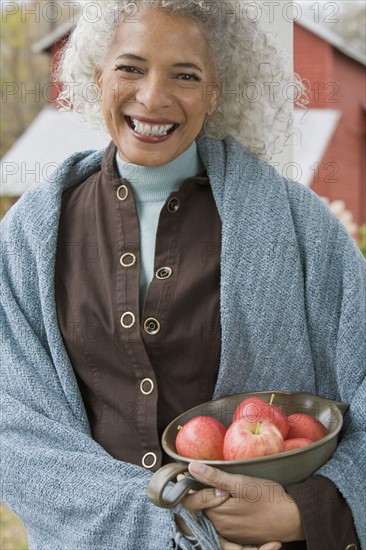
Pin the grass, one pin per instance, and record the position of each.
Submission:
(13, 535)
(5, 204)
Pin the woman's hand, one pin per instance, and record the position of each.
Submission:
(226, 545)
(218, 497)
(243, 509)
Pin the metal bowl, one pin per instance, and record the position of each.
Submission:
(286, 467)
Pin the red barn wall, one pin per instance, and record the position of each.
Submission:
(314, 62)
(337, 82)
(347, 148)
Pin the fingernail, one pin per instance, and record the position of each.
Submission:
(220, 493)
(197, 468)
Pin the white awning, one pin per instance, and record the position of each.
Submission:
(50, 139)
(313, 131)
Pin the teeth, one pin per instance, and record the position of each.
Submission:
(147, 130)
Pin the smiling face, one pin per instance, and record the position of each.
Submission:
(153, 86)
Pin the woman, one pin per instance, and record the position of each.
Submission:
(173, 267)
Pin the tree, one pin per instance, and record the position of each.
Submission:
(352, 25)
(25, 76)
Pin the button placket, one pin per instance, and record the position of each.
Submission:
(142, 386)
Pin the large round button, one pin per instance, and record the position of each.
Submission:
(149, 460)
(128, 259)
(173, 205)
(122, 192)
(146, 386)
(152, 326)
(128, 319)
(164, 273)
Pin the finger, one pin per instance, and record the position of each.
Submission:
(182, 476)
(204, 499)
(213, 476)
(271, 546)
(227, 545)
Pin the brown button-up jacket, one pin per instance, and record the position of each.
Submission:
(138, 372)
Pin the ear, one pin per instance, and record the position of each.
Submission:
(98, 78)
(213, 97)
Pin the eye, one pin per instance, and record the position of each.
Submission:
(189, 77)
(128, 69)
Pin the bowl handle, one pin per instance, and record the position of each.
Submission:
(160, 480)
(343, 407)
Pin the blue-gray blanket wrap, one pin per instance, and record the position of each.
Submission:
(293, 318)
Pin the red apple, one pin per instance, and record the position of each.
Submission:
(296, 443)
(255, 409)
(201, 438)
(303, 425)
(252, 439)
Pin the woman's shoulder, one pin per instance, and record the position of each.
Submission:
(243, 175)
(248, 188)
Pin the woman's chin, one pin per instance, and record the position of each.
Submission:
(149, 154)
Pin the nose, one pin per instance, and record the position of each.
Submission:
(154, 92)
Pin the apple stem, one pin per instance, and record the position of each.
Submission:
(179, 427)
(257, 428)
(272, 398)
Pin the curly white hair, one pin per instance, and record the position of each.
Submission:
(250, 69)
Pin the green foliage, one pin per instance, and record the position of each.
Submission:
(362, 243)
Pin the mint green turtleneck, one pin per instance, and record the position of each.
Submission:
(151, 186)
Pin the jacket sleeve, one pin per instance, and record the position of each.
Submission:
(335, 300)
(326, 517)
(68, 491)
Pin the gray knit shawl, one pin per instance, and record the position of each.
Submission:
(293, 318)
